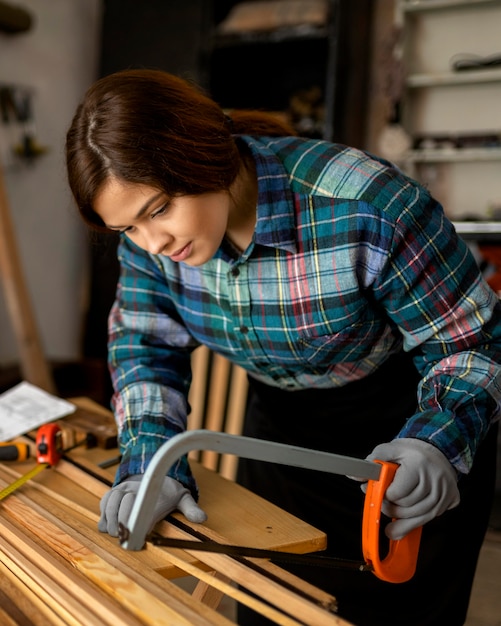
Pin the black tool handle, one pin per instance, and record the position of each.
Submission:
(14, 451)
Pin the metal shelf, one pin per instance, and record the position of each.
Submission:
(479, 231)
(421, 6)
(455, 155)
(280, 35)
(446, 79)
(434, 51)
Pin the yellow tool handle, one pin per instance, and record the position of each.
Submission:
(20, 481)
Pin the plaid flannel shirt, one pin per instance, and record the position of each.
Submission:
(351, 261)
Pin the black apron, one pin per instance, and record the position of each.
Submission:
(352, 420)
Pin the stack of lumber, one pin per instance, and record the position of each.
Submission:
(57, 569)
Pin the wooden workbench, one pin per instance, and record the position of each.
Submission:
(56, 568)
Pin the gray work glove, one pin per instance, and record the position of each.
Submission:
(424, 487)
(116, 504)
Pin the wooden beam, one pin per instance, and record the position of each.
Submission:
(34, 367)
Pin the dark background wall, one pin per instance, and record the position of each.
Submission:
(178, 37)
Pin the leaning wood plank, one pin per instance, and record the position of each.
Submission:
(206, 592)
(200, 369)
(220, 583)
(112, 577)
(241, 516)
(34, 365)
(237, 513)
(218, 389)
(237, 401)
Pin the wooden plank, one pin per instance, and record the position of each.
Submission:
(307, 611)
(11, 613)
(200, 371)
(84, 504)
(235, 515)
(220, 582)
(234, 419)
(238, 515)
(205, 591)
(34, 366)
(37, 611)
(101, 427)
(142, 601)
(66, 593)
(216, 403)
(243, 518)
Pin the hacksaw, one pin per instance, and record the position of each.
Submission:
(398, 565)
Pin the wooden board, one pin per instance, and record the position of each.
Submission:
(34, 366)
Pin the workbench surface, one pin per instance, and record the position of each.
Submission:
(56, 568)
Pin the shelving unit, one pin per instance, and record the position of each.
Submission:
(265, 69)
(451, 107)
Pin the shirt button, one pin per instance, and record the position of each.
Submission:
(235, 272)
(244, 329)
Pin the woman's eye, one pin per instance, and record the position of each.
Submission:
(160, 211)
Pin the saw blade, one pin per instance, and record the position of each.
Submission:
(314, 560)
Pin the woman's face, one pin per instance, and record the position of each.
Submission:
(184, 228)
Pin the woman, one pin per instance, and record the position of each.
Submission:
(338, 284)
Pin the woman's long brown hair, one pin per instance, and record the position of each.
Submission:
(156, 129)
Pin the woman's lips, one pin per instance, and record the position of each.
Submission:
(182, 254)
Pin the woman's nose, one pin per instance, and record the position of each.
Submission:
(155, 242)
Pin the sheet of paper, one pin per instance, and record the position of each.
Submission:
(25, 407)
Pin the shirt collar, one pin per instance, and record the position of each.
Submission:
(275, 226)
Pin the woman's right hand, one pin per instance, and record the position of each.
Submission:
(116, 504)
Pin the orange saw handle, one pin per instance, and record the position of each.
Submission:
(49, 444)
(399, 565)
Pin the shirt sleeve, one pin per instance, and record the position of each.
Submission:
(149, 352)
(450, 318)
